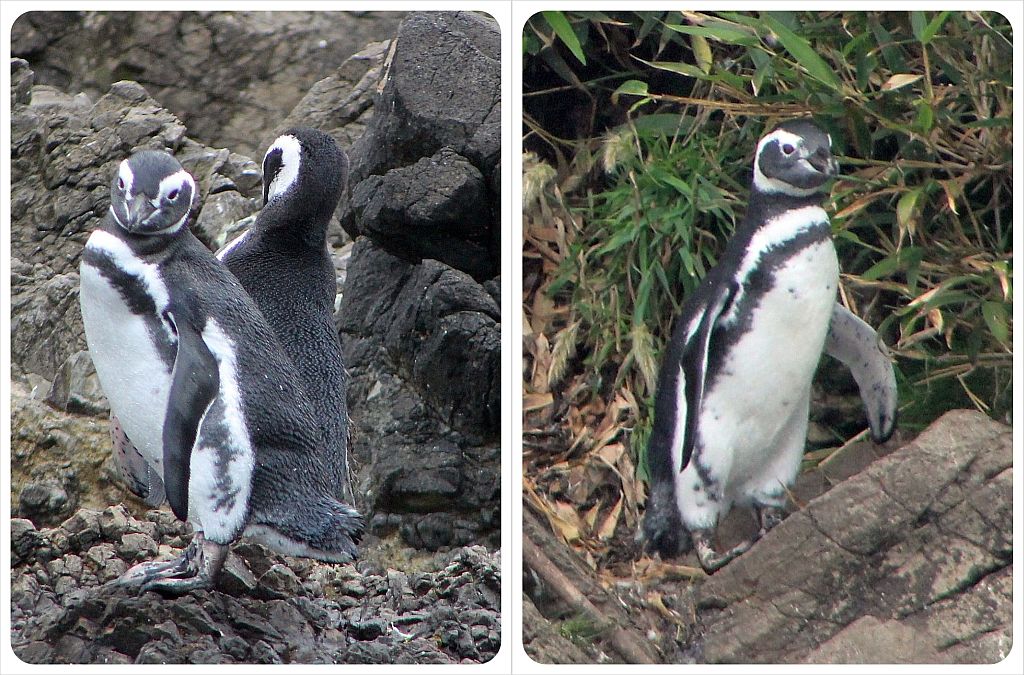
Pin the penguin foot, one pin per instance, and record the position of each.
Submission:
(768, 517)
(196, 568)
(710, 559)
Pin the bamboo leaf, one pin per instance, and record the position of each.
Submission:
(675, 67)
(563, 29)
(720, 32)
(905, 209)
(994, 314)
(929, 32)
(701, 52)
(900, 80)
(631, 88)
(803, 53)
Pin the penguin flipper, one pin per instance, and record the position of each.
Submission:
(194, 384)
(694, 367)
(856, 344)
(140, 478)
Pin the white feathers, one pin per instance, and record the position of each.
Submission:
(137, 387)
(218, 471)
(122, 256)
(291, 153)
(775, 233)
(126, 177)
(221, 254)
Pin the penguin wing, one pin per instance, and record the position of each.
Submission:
(857, 345)
(194, 384)
(694, 361)
(141, 478)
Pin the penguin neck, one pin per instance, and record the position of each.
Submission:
(294, 223)
(146, 245)
(769, 205)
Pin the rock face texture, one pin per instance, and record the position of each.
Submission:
(421, 337)
(268, 608)
(421, 320)
(908, 561)
(225, 75)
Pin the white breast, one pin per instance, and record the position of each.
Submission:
(767, 374)
(129, 367)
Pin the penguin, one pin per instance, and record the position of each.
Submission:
(201, 385)
(732, 401)
(285, 265)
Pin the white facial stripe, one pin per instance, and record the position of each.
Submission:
(207, 480)
(776, 231)
(291, 151)
(123, 257)
(176, 181)
(124, 172)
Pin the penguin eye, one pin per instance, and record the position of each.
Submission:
(120, 183)
(788, 149)
(172, 195)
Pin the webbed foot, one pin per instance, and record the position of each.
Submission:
(710, 559)
(196, 568)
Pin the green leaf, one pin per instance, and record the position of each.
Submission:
(925, 117)
(621, 238)
(882, 268)
(563, 29)
(995, 317)
(918, 24)
(928, 32)
(701, 52)
(674, 67)
(718, 31)
(803, 53)
(905, 208)
(630, 87)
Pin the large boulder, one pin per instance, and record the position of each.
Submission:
(908, 561)
(425, 176)
(228, 76)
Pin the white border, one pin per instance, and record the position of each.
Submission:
(501, 12)
(523, 10)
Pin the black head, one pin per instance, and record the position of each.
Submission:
(794, 159)
(306, 163)
(151, 194)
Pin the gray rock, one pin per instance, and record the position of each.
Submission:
(229, 76)
(908, 560)
(76, 388)
(424, 176)
(437, 208)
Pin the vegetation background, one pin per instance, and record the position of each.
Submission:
(638, 133)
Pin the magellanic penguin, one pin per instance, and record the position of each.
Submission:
(733, 394)
(284, 263)
(201, 385)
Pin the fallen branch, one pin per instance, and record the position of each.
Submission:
(630, 645)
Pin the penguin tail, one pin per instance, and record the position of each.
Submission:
(663, 529)
(323, 529)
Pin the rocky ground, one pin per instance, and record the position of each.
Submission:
(895, 554)
(421, 335)
(267, 609)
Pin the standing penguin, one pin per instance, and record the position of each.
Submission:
(284, 263)
(201, 385)
(733, 396)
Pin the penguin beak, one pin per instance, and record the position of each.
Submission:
(823, 162)
(139, 210)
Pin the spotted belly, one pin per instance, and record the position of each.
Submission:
(133, 375)
(759, 395)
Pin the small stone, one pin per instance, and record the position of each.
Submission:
(370, 629)
(113, 522)
(25, 539)
(137, 546)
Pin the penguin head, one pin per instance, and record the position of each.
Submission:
(794, 159)
(306, 163)
(151, 194)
